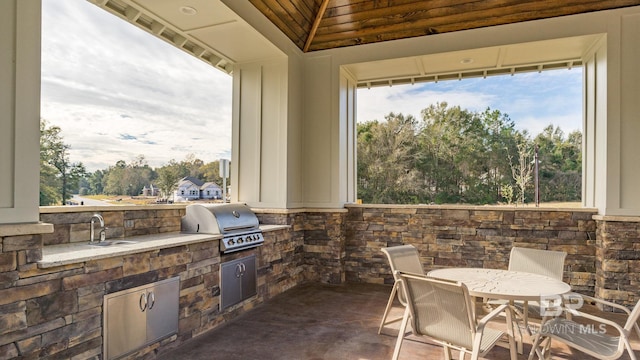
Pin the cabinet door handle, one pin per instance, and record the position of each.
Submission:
(238, 270)
(151, 300)
(244, 268)
(143, 302)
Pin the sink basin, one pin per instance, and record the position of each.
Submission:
(113, 242)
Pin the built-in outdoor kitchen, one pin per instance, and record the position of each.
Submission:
(146, 286)
(57, 289)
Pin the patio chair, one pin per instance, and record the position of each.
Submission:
(542, 262)
(401, 258)
(443, 311)
(592, 339)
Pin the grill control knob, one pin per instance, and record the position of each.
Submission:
(240, 241)
(230, 242)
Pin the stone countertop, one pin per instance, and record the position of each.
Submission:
(73, 253)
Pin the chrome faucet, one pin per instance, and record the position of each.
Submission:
(103, 234)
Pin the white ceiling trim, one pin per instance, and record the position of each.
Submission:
(162, 29)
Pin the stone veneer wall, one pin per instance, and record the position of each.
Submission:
(322, 234)
(618, 259)
(72, 223)
(468, 237)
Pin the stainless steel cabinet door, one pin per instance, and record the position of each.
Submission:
(237, 281)
(230, 291)
(125, 325)
(248, 279)
(162, 310)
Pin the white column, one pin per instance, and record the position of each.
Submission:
(611, 164)
(19, 110)
(266, 153)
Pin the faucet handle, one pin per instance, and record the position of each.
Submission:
(103, 234)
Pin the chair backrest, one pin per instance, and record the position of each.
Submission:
(542, 262)
(440, 309)
(404, 258)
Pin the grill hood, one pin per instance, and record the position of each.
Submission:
(236, 222)
(219, 219)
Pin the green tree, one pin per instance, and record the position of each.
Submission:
(57, 171)
(113, 179)
(388, 172)
(169, 175)
(560, 160)
(211, 172)
(453, 155)
(49, 194)
(462, 153)
(128, 179)
(95, 182)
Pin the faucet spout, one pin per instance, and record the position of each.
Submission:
(92, 231)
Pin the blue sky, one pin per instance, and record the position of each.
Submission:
(532, 100)
(118, 92)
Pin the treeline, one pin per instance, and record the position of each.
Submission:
(453, 155)
(131, 178)
(449, 155)
(59, 177)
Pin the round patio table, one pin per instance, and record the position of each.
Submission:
(504, 284)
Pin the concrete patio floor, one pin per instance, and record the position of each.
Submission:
(318, 322)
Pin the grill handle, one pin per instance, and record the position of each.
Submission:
(232, 228)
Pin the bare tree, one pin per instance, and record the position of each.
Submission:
(523, 169)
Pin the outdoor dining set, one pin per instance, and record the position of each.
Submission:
(441, 306)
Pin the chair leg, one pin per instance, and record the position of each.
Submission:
(403, 330)
(389, 305)
(627, 344)
(539, 341)
(447, 352)
(510, 333)
(547, 350)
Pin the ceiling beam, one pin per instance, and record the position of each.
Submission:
(316, 23)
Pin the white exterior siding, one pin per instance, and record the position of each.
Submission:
(210, 191)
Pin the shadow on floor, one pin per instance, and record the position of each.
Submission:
(322, 322)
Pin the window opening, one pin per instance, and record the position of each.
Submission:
(459, 142)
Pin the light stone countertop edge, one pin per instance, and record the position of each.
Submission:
(73, 253)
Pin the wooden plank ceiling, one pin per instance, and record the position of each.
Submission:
(325, 24)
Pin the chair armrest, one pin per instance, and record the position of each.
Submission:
(495, 312)
(609, 303)
(605, 302)
(600, 320)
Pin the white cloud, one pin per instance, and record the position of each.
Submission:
(102, 77)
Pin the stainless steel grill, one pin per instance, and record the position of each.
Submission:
(237, 224)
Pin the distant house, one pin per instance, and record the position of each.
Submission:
(210, 190)
(151, 190)
(190, 188)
